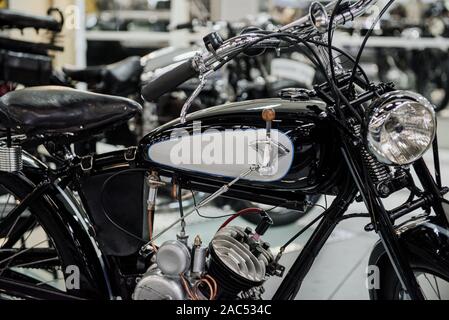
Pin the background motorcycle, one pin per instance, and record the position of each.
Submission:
(425, 70)
(27, 63)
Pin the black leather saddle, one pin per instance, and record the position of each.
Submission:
(118, 78)
(63, 111)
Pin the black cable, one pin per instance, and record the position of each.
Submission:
(108, 217)
(367, 36)
(282, 206)
(275, 35)
(330, 36)
(181, 207)
(207, 217)
(354, 215)
(335, 89)
(347, 55)
(317, 62)
(232, 214)
(301, 232)
(337, 92)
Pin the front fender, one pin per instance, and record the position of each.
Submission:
(425, 240)
(428, 240)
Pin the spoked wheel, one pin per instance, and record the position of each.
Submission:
(433, 283)
(432, 286)
(31, 266)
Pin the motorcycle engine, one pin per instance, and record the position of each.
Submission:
(236, 263)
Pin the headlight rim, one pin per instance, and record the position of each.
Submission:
(385, 103)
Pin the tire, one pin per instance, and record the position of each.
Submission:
(282, 217)
(426, 272)
(57, 245)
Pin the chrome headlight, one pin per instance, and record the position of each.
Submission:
(401, 127)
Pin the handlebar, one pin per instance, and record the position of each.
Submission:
(187, 25)
(169, 80)
(354, 11)
(14, 19)
(174, 77)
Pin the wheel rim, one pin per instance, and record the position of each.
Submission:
(432, 286)
(28, 257)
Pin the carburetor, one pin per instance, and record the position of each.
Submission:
(175, 264)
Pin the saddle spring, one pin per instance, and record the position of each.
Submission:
(11, 158)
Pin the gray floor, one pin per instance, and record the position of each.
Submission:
(339, 271)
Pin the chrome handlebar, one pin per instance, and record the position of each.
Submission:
(357, 9)
(206, 62)
(302, 26)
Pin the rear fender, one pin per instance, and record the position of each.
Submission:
(68, 213)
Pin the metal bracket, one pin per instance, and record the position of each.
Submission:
(87, 163)
(147, 248)
(130, 154)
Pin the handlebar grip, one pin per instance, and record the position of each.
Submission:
(15, 19)
(169, 80)
(187, 25)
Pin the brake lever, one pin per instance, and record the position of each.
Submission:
(194, 95)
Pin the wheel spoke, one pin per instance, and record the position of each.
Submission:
(32, 291)
(33, 263)
(30, 256)
(430, 283)
(6, 204)
(9, 232)
(438, 288)
(24, 226)
(48, 282)
(30, 266)
(9, 259)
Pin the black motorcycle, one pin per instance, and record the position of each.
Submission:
(29, 63)
(246, 77)
(348, 138)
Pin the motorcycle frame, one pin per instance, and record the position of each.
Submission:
(381, 219)
(384, 226)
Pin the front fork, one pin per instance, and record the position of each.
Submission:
(384, 224)
(381, 219)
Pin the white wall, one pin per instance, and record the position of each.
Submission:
(233, 10)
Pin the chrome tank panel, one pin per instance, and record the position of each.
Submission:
(308, 164)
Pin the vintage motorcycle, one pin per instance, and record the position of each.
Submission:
(245, 78)
(348, 138)
(28, 63)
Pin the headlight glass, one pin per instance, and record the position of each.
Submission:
(401, 128)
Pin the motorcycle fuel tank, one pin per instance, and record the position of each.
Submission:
(218, 144)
